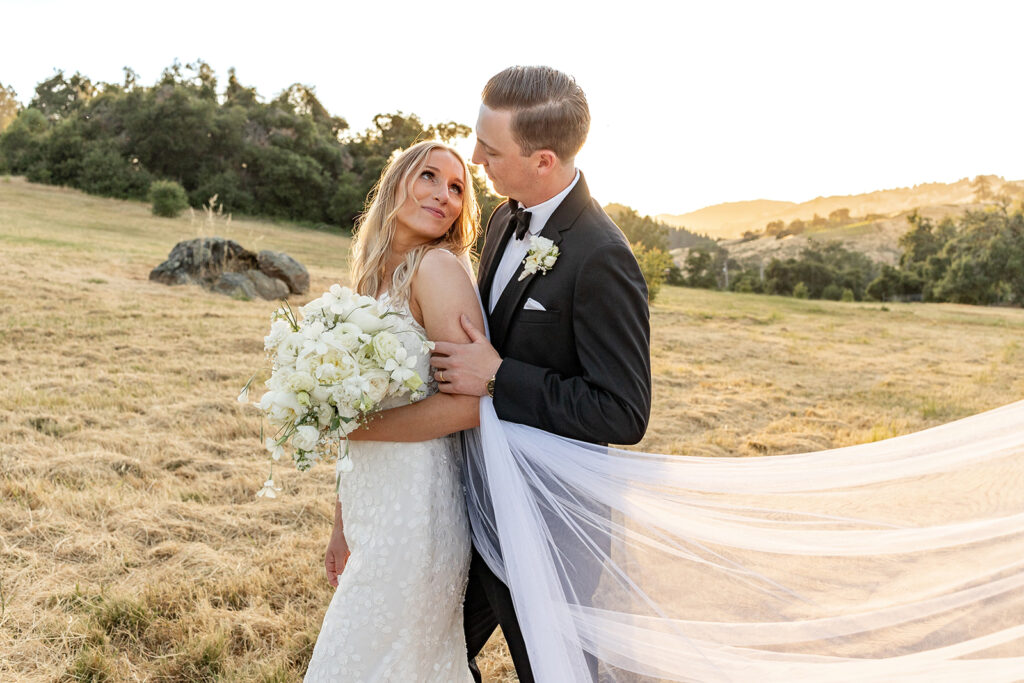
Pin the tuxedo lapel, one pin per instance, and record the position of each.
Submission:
(560, 222)
(494, 245)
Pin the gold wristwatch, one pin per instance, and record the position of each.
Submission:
(490, 386)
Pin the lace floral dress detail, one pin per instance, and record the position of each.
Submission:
(397, 612)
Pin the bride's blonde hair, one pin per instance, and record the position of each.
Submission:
(375, 228)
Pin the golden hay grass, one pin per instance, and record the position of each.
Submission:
(133, 547)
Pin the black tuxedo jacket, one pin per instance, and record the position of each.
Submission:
(582, 367)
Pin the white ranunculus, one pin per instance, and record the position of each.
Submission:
(305, 437)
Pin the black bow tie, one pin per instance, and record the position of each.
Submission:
(520, 220)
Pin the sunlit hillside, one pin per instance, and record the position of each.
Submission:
(133, 546)
(734, 218)
(877, 239)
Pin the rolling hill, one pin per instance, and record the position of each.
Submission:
(731, 220)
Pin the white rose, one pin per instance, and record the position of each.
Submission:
(305, 437)
(347, 336)
(300, 381)
(280, 406)
(378, 382)
(385, 345)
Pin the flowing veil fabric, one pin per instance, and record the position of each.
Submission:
(896, 560)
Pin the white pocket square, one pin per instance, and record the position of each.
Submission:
(533, 305)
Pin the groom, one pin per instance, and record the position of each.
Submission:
(570, 346)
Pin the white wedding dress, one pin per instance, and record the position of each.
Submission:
(397, 612)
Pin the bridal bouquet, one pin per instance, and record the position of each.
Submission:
(330, 371)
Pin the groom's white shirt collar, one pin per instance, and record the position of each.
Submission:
(542, 212)
(516, 250)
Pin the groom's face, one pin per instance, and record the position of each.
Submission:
(498, 152)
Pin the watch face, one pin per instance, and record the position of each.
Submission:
(490, 387)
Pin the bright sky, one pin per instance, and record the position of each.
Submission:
(693, 103)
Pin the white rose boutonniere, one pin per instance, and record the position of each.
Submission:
(541, 257)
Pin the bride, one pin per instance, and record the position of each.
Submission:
(399, 552)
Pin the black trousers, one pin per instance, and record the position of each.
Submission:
(489, 604)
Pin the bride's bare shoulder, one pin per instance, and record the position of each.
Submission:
(444, 289)
(440, 266)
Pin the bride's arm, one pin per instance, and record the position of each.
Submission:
(442, 291)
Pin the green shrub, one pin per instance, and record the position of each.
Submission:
(105, 172)
(847, 295)
(168, 197)
(832, 292)
(800, 291)
(654, 263)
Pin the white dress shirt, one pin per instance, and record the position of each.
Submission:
(516, 250)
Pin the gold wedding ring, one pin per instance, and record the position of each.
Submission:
(440, 375)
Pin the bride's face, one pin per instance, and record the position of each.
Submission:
(434, 200)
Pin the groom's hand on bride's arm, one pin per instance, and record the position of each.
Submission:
(465, 368)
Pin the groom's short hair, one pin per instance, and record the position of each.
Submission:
(549, 110)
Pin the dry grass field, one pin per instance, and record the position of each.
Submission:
(133, 547)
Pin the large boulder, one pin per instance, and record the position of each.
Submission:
(280, 265)
(235, 285)
(226, 267)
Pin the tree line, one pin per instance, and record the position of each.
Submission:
(287, 158)
(976, 258)
(291, 158)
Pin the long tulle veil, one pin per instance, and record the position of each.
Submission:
(896, 560)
